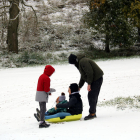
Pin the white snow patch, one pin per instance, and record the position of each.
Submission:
(17, 103)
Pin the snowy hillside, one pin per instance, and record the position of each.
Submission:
(17, 103)
(60, 25)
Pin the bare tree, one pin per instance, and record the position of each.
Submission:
(12, 29)
(12, 35)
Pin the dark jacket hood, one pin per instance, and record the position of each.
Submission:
(79, 57)
(49, 70)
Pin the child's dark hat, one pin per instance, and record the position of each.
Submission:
(74, 87)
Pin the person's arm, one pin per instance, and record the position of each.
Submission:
(86, 66)
(57, 100)
(69, 104)
(81, 83)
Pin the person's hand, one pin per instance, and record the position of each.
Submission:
(55, 108)
(50, 93)
(89, 87)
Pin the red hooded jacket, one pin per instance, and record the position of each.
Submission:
(44, 80)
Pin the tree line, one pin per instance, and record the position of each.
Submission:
(118, 21)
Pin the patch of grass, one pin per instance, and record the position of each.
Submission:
(31, 58)
(123, 102)
(63, 55)
(28, 58)
(49, 56)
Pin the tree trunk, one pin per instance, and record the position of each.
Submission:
(12, 36)
(107, 38)
(138, 34)
(107, 44)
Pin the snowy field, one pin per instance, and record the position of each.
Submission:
(17, 103)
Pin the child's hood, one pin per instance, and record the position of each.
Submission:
(49, 70)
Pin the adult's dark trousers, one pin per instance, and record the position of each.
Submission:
(42, 110)
(93, 94)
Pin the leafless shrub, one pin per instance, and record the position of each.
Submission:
(3, 24)
(28, 32)
(74, 2)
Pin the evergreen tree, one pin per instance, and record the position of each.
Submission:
(107, 17)
(132, 11)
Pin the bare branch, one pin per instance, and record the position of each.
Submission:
(9, 7)
(22, 1)
(4, 6)
(15, 17)
(4, 12)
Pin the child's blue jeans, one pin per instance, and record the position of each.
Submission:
(60, 114)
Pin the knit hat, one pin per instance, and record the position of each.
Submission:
(61, 98)
(74, 87)
(72, 59)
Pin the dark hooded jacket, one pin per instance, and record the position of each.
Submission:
(74, 106)
(43, 85)
(88, 69)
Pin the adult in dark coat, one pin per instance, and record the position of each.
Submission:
(93, 75)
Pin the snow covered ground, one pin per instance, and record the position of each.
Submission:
(17, 103)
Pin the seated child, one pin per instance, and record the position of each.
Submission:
(74, 106)
(61, 98)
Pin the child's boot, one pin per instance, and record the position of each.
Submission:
(37, 110)
(43, 125)
(37, 117)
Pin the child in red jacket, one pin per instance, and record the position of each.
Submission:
(43, 90)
